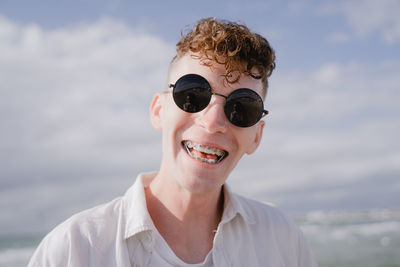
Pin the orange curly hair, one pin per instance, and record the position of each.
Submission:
(231, 44)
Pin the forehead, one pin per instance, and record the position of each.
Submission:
(215, 75)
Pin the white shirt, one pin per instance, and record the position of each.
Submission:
(164, 256)
(121, 233)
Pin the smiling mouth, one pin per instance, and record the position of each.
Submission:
(204, 153)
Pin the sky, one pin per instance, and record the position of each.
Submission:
(77, 78)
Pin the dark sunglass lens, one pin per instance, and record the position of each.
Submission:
(192, 93)
(244, 108)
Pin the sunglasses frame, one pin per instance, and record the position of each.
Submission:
(206, 86)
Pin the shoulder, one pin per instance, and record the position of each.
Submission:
(266, 219)
(262, 212)
(270, 227)
(89, 223)
(79, 235)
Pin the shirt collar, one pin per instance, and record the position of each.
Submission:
(233, 206)
(138, 218)
(134, 206)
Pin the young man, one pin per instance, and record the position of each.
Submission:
(185, 214)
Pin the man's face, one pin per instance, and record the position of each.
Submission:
(193, 142)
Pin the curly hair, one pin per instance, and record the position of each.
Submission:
(231, 44)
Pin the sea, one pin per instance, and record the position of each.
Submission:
(337, 239)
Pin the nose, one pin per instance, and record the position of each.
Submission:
(213, 118)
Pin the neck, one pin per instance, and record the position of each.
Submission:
(176, 212)
(183, 206)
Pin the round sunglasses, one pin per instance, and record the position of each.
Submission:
(243, 107)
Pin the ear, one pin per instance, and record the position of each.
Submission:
(155, 112)
(257, 138)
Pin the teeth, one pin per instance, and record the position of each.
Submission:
(205, 149)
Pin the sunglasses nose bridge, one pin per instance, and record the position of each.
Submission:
(213, 93)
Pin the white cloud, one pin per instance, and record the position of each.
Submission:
(332, 127)
(76, 95)
(339, 37)
(74, 108)
(367, 17)
(74, 122)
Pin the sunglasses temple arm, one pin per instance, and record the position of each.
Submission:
(264, 113)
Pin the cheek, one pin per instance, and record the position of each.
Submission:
(170, 114)
(174, 122)
(245, 139)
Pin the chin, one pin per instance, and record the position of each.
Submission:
(200, 183)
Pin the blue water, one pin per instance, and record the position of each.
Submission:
(367, 239)
(16, 250)
(338, 239)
